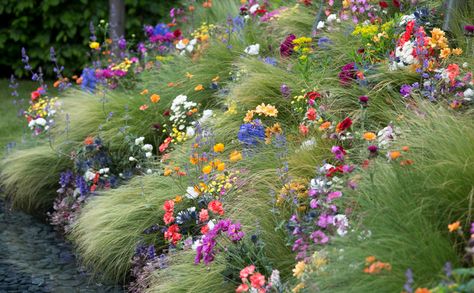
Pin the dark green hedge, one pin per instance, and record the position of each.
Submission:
(39, 24)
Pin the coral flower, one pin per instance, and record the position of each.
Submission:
(219, 148)
(257, 280)
(144, 92)
(89, 140)
(143, 107)
(454, 226)
(155, 98)
(303, 129)
(247, 271)
(168, 206)
(215, 206)
(394, 155)
(370, 259)
(422, 290)
(369, 136)
(203, 215)
(311, 114)
(242, 288)
(325, 125)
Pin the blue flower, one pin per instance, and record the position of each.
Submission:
(251, 133)
(89, 80)
(161, 29)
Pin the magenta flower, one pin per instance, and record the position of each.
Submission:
(319, 237)
(286, 48)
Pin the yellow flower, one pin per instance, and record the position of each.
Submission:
(445, 53)
(369, 136)
(207, 169)
(457, 51)
(219, 148)
(178, 199)
(94, 45)
(155, 98)
(199, 87)
(298, 288)
(299, 269)
(249, 116)
(221, 166)
(235, 156)
(454, 226)
(167, 172)
(189, 75)
(144, 92)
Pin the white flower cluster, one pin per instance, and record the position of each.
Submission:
(184, 45)
(387, 135)
(90, 173)
(329, 21)
(404, 56)
(147, 148)
(179, 109)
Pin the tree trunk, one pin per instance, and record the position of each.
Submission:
(116, 22)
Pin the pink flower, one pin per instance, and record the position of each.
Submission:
(242, 288)
(311, 114)
(303, 129)
(203, 215)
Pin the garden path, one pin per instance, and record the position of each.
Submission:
(34, 259)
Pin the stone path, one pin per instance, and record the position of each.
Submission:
(34, 259)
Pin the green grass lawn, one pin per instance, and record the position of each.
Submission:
(13, 127)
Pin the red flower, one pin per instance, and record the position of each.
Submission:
(177, 33)
(215, 206)
(383, 4)
(242, 288)
(35, 95)
(247, 271)
(165, 144)
(168, 218)
(333, 170)
(257, 280)
(396, 3)
(204, 229)
(311, 114)
(344, 124)
(312, 95)
(453, 72)
(172, 234)
(168, 206)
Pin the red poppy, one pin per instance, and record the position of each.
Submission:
(383, 4)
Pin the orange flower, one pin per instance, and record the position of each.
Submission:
(370, 259)
(199, 87)
(219, 148)
(56, 83)
(167, 172)
(221, 166)
(191, 8)
(79, 80)
(405, 148)
(394, 155)
(249, 116)
(445, 53)
(144, 92)
(207, 169)
(369, 136)
(216, 79)
(194, 160)
(207, 4)
(325, 125)
(178, 199)
(454, 226)
(457, 51)
(235, 156)
(422, 290)
(171, 84)
(155, 98)
(406, 162)
(143, 107)
(89, 140)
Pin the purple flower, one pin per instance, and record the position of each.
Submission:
(372, 149)
(338, 152)
(286, 48)
(347, 74)
(285, 91)
(122, 43)
(472, 228)
(314, 204)
(469, 29)
(405, 90)
(319, 237)
(333, 195)
(324, 220)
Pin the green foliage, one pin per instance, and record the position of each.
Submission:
(38, 25)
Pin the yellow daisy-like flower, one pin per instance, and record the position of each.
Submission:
(219, 148)
(235, 156)
(207, 169)
(94, 45)
(369, 136)
(299, 269)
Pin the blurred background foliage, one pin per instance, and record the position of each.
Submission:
(64, 24)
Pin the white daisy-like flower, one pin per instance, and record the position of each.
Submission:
(139, 140)
(252, 49)
(191, 193)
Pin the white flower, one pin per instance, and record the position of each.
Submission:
(190, 131)
(149, 171)
(252, 49)
(131, 159)
(180, 45)
(31, 124)
(101, 171)
(206, 114)
(320, 25)
(342, 223)
(191, 193)
(254, 8)
(139, 140)
(147, 147)
(308, 144)
(465, 65)
(211, 224)
(196, 244)
(331, 18)
(148, 154)
(468, 94)
(89, 175)
(106, 170)
(275, 278)
(40, 121)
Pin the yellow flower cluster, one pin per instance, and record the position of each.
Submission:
(439, 41)
(42, 107)
(373, 31)
(269, 131)
(203, 32)
(177, 135)
(302, 46)
(262, 109)
(222, 181)
(124, 65)
(297, 190)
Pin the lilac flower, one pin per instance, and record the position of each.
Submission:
(407, 287)
(13, 85)
(122, 43)
(405, 90)
(324, 220)
(285, 91)
(324, 43)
